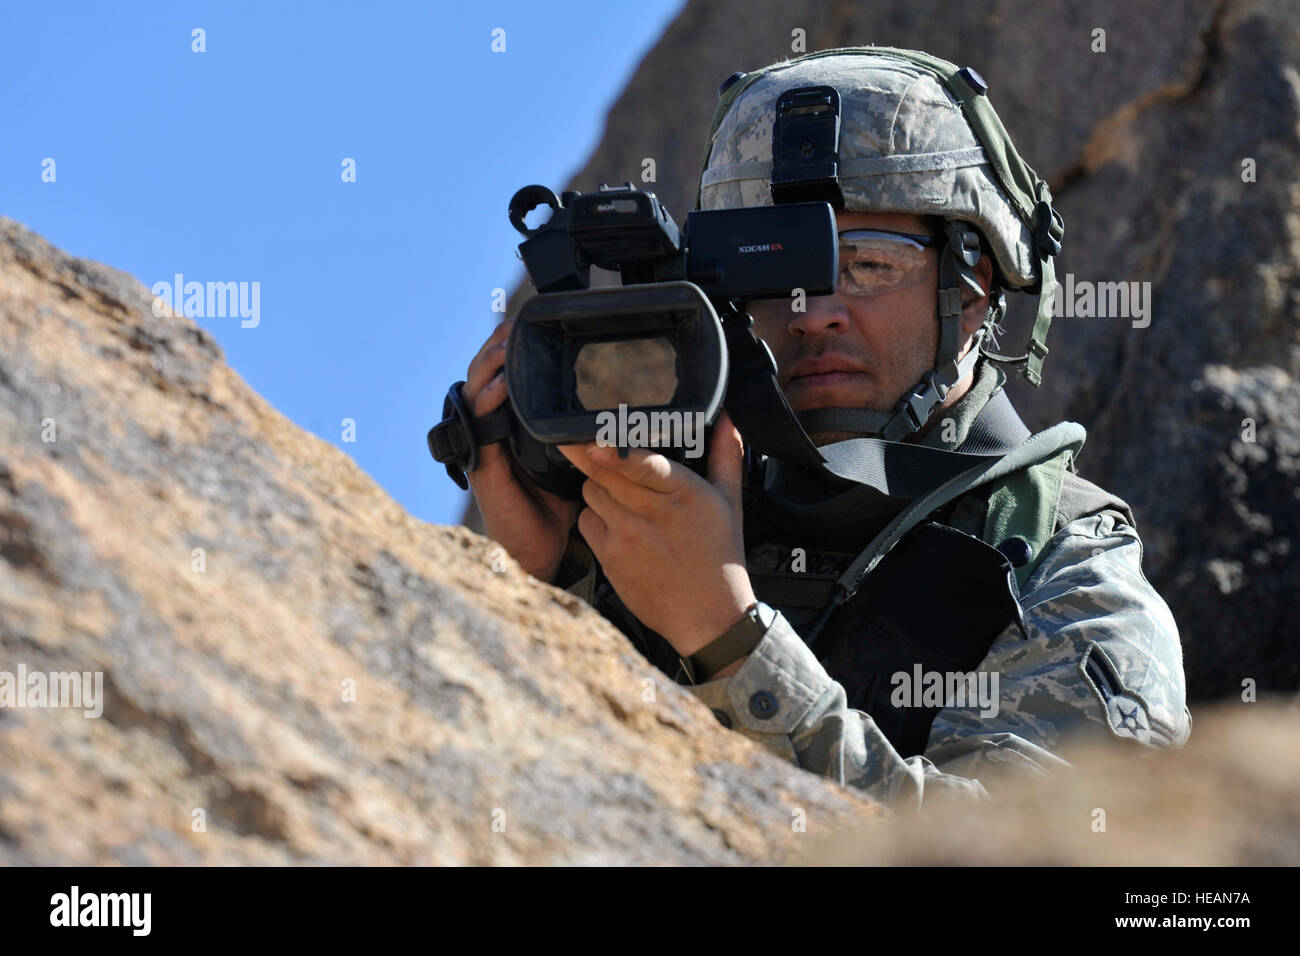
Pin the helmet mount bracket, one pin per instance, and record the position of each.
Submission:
(806, 146)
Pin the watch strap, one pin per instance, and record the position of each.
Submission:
(732, 644)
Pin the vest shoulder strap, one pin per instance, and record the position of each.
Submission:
(1066, 436)
(1080, 498)
(1024, 505)
(1038, 501)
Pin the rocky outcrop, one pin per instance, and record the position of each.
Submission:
(294, 670)
(1231, 797)
(1174, 154)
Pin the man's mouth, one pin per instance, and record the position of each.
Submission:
(827, 370)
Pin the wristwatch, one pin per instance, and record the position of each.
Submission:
(733, 644)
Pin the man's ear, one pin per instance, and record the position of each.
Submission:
(973, 309)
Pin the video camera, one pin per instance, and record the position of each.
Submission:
(664, 345)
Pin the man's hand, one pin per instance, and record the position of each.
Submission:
(671, 543)
(533, 524)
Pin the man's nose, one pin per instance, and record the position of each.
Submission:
(825, 313)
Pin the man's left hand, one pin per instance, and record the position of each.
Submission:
(671, 543)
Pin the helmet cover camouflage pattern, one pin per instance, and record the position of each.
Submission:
(904, 147)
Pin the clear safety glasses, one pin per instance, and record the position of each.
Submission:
(874, 261)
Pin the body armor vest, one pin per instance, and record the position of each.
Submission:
(938, 598)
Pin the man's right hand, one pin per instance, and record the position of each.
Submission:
(532, 524)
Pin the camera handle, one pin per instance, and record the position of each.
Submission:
(454, 441)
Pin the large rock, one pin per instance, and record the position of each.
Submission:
(236, 580)
(1231, 797)
(1143, 145)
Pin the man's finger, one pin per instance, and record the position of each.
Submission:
(489, 358)
(635, 498)
(492, 396)
(594, 530)
(644, 469)
(600, 500)
(727, 461)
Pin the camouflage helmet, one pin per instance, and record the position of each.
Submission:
(904, 147)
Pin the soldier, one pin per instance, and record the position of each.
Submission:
(944, 595)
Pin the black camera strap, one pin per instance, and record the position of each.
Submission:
(455, 440)
(755, 400)
(906, 471)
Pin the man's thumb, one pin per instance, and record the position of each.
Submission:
(727, 459)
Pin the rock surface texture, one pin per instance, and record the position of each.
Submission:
(1231, 797)
(283, 648)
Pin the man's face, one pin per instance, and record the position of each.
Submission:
(852, 351)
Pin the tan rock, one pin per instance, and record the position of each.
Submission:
(1230, 797)
(479, 697)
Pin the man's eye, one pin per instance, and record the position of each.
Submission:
(874, 271)
(871, 265)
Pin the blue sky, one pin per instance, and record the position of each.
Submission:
(226, 165)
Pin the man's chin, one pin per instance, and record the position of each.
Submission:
(827, 391)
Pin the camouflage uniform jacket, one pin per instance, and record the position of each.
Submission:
(1100, 652)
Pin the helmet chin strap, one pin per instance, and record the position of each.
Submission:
(957, 259)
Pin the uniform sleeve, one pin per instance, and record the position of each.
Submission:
(1100, 654)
